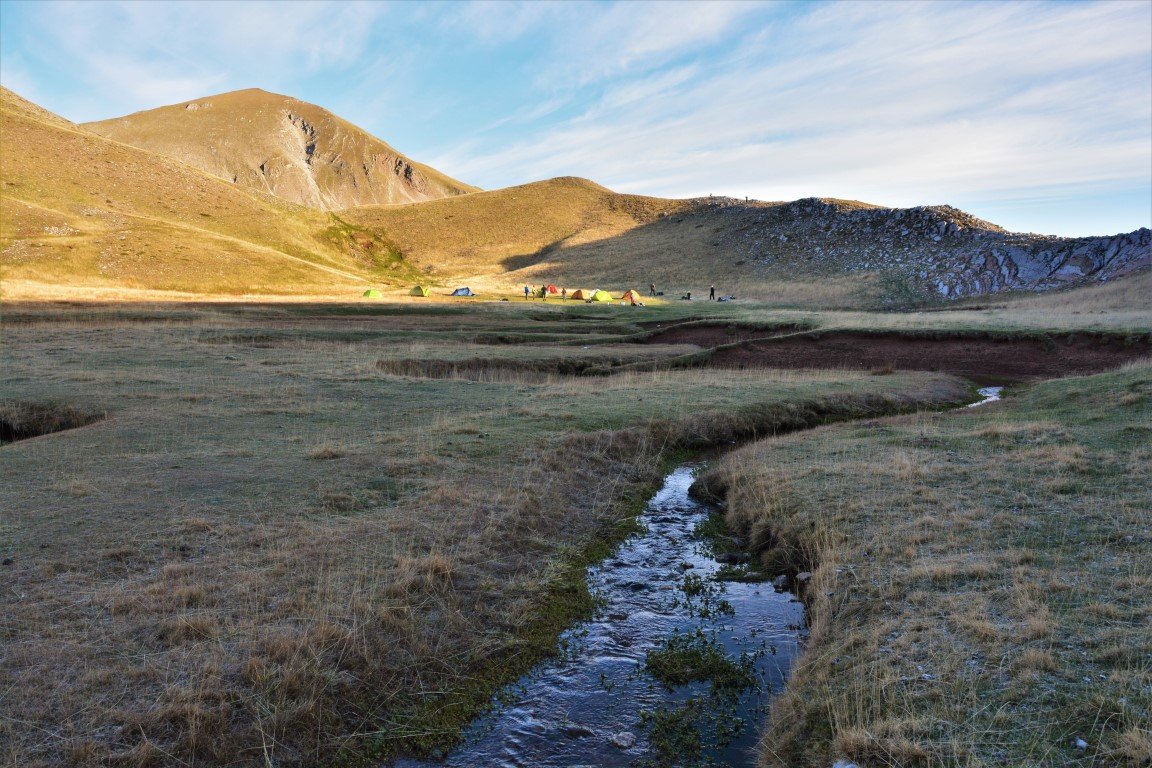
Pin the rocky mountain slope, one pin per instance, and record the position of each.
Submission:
(286, 147)
(936, 249)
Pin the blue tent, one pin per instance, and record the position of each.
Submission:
(463, 292)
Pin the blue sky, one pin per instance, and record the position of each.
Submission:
(1036, 116)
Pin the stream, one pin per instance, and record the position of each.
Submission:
(599, 704)
(676, 668)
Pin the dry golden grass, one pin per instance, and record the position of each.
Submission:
(979, 591)
(492, 232)
(258, 140)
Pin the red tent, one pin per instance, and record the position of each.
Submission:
(553, 289)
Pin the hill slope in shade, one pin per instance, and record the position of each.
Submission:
(80, 210)
(286, 147)
(500, 231)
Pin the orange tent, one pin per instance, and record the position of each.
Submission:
(631, 295)
(581, 294)
(553, 289)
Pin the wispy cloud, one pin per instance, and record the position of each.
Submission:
(141, 54)
(904, 104)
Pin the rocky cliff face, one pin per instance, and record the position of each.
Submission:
(285, 147)
(936, 249)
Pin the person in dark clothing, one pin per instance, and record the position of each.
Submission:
(651, 289)
(712, 293)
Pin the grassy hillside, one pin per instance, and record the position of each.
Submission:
(81, 210)
(283, 146)
(511, 229)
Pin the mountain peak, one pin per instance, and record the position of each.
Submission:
(278, 144)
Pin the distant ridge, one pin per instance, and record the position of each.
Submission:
(286, 147)
(574, 230)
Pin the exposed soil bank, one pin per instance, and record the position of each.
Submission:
(984, 359)
(21, 421)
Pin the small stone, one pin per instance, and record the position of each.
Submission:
(844, 764)
(804, 577)
(8, 561)
(1080, 743)
(575, 731)
(780, 583)
(686, 566)
(624, 739)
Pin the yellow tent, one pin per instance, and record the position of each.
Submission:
(419, 291)
(580, 294)
(601, 296)
(631, 295)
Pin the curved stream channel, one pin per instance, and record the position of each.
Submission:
(677, 667)
(599, 703)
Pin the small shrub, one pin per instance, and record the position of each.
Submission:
(326, 452)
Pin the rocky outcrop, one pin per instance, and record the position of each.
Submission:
(938, 250)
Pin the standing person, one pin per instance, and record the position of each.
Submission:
(563, 293)
(544, 292)
(651, 289)
(712, 293)
(526, 292)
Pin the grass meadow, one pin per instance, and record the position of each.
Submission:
(325, 535)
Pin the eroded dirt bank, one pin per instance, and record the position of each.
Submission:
(984, 359)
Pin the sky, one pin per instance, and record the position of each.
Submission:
(1034, 115)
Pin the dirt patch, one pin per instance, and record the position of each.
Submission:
(713, 335)
(983, 359)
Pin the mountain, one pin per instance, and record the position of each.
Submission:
(82, 213)
(286, 147)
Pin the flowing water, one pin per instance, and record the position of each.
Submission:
(988, 395)
(599, 705)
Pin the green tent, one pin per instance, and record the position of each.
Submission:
(419, 291)
(601, 296)
(372, 293)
